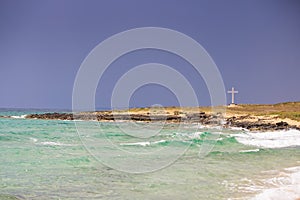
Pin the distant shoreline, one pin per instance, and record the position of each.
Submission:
(254, 117)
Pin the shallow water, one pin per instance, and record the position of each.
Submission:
(43, 159)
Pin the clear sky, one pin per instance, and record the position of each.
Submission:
(255, 44)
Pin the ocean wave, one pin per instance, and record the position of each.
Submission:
(147, 143)
(286, 185)
(49, 143)
(277, 139)
(238, 128)
(184, 139)
(33, 139)
(279, 184)
(198, 135)
(185, 136)
(249, 150)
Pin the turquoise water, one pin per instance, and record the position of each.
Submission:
(43, 159)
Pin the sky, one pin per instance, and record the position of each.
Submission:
(255, 45)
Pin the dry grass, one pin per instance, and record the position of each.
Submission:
(289, 110)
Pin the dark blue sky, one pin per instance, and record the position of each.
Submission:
(255, 44)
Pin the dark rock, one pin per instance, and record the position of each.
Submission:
(200, 117)
(1, 116)
(282, 123)
(61, 116)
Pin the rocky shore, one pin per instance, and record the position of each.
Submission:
(243, 121)
(253, 117)
(260, 124)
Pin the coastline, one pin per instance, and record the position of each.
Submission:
(281, 116)
(267, 161)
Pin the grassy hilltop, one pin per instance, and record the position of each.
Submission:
(289, 110)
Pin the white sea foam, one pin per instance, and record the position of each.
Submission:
(285, 186)
(136, 144)
(249, 150)
(277, 139)
(33, 139)
(195, 135)
(143, 143)
(238, 128)
(160, 141)
(49, 143)
(18, 116)
(200, 126)
(280, 185)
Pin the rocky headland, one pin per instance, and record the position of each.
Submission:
(252, 117)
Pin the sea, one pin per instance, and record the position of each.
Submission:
(56, 159)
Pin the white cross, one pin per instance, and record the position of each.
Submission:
(232, 94)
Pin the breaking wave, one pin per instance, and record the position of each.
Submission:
(285, 185)
(276, 139)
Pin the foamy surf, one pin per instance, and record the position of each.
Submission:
(238, 128)
(276, 139)
(249, 150)
(147, 143)
(33, 139)
(284, 186)
(49, 143)
(18, 116)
